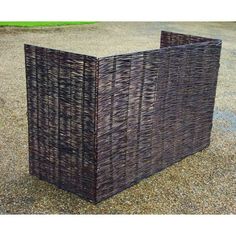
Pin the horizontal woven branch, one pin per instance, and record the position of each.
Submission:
(100, 125)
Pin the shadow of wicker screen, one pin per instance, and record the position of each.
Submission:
(99, 125)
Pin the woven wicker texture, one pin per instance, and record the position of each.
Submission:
(61, 111)
(100, 125)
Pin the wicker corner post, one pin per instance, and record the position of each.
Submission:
(100, 125)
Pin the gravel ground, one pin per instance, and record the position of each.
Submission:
(204, 183)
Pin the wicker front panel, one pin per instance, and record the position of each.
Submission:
(61, 112)
(154, 108)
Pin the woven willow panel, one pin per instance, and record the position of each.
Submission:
(100, 125)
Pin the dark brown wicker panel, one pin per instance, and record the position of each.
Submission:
(61, 115)
(100, 125)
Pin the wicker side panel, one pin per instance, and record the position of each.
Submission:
(174, 39)
(154, 109)
(61, 111)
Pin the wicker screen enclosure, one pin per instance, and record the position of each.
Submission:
(99, 125)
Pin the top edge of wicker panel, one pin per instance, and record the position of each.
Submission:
(192, 40)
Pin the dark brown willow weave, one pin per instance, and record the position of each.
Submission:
(100, 125)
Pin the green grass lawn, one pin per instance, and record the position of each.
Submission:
(42, 23)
